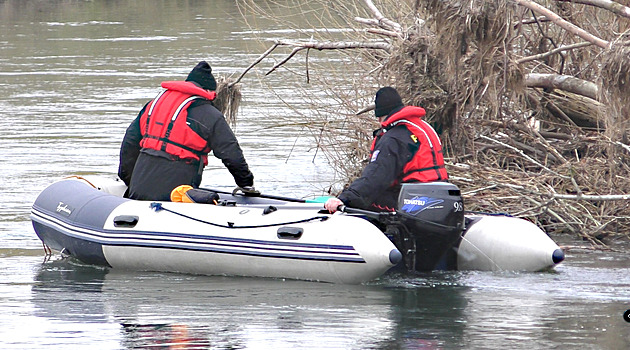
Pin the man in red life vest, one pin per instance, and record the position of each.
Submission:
(167, 145)
(404, 149)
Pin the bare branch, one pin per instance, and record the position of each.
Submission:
(286, 59)
(327, 45)
(577, 197)
(554, 51)
(381, 30)
(367, 21)
(609, 5)
(366, 109)
(382, 20)
(384, 32)
(253, 64)
(533, 20)
(522, 154)
(568, 26)
(330, 45)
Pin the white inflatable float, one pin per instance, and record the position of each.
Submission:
(504, 243)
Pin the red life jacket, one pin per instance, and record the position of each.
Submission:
(163, 123)
(428, 163)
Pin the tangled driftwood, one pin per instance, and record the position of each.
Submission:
(533, 106)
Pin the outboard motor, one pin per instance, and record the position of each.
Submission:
(429, 222)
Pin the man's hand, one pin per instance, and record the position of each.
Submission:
(332, 204)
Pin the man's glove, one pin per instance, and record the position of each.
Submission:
(248, 191)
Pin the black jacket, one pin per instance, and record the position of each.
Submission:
(374, 190)
(152, 175)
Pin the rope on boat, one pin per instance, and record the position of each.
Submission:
(47, 250)
(81, 178)
(158, 207)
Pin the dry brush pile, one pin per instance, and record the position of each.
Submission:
(532, 99)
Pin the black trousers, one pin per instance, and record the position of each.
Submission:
(154, 177)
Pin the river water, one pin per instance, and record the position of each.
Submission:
(73, 74)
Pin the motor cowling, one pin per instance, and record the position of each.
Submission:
(430, 221)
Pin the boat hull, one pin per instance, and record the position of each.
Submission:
(292, 242)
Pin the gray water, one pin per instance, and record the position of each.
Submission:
(73, 74)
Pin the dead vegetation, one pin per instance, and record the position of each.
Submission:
(532, 99)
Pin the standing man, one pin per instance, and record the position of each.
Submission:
(167, 145)
(404, 149)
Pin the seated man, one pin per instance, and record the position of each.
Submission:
(404, 149)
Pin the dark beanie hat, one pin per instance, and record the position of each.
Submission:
(202, 75)
(387, 100)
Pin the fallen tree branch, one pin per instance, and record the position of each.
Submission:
(556, 111)
(566, 25)
(303, 45)
(326, 45)
(554, 51)
(591, 247)
(384, 32)
(472, 192)
(522, 155)
(586, 197)
(563, 82)
(626, 147)
(538, 206)
(609, 5)
(552, 194)
(286, 59)
(329, 45)
(260, 58)
(382, 20)
(533, 20)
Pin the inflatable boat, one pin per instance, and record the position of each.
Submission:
(278, 237)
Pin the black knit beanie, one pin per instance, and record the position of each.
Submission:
(387, 100)
(202, 75)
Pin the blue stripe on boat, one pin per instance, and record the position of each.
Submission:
(226, 245)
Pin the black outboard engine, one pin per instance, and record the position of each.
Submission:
(429, 221)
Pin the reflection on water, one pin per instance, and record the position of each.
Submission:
(165, 336)
(440, 310)
(226, 312)
(69, 291)
(217, 310)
